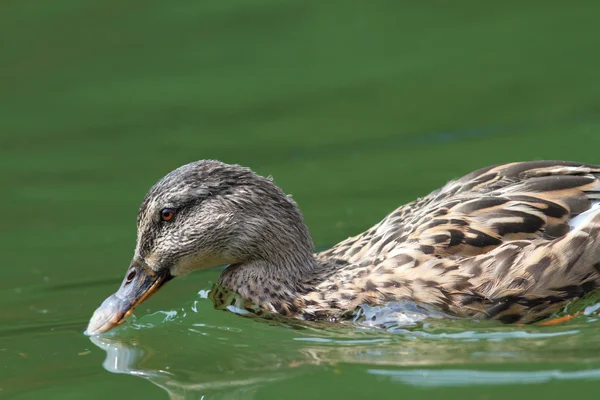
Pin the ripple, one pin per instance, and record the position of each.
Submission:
(494, 336)
(467, 377)
(341, 341)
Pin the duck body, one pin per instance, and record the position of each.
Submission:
(512, 242)
(500, 243)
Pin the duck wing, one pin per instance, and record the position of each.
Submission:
(512, 242)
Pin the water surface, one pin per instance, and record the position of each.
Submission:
(354, 108)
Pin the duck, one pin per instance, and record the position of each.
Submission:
(513, 242)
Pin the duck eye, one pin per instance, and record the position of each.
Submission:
(167, 214)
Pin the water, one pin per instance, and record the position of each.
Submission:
(354, 108)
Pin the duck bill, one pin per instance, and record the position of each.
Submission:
(140, 283)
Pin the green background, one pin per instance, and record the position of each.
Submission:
(355, 107)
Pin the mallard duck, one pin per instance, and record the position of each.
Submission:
(512, 242)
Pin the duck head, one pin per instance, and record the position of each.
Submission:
(202, 215)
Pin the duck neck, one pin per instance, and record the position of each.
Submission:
(282, 276)
(278, 256)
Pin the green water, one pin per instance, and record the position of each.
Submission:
(354, 107)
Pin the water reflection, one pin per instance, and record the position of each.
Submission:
(189, 359)
(178, 378)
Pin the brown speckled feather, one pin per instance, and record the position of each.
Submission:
(493, 244)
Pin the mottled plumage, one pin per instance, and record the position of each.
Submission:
(493, 244)
(504, 242)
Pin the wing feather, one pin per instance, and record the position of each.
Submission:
(493, 244)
